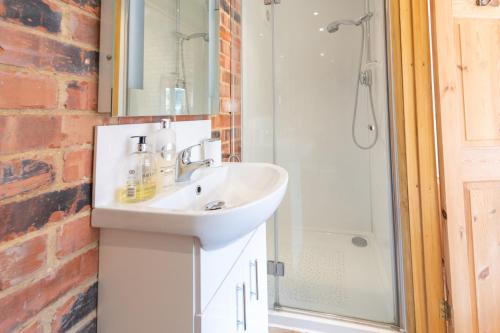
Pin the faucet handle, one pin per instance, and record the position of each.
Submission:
(185, 154)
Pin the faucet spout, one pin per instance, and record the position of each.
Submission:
(185, 167)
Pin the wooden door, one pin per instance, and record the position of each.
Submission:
(467, 67)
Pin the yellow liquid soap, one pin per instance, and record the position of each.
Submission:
(137, 193)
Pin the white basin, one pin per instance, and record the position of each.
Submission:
(251, 192)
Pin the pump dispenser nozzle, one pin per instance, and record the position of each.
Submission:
(142, 146)
(166, 123)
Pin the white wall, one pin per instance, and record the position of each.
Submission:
(316, 77)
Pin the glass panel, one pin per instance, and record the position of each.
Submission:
(172, 57)
(257, 85)
(329, 128)
(335, 225)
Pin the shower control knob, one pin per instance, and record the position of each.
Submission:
(365, 78)
(371, 127)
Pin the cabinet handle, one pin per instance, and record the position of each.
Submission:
(254, 266)
(243, 322)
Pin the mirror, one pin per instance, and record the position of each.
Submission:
(159, 57)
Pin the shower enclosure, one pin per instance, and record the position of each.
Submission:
(315, 101)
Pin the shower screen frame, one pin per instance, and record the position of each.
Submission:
(400, 300)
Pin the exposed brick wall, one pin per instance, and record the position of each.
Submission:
(48, 104)
(230, 76)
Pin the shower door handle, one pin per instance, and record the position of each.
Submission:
(241, 322)
(254, 270)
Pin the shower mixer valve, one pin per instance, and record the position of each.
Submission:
(365, 78)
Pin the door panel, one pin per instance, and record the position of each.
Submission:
(483, 215)
(480, 70)
(467, 70)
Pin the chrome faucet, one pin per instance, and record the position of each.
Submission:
(185, 168)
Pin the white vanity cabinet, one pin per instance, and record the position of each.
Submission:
(155, 283)
(154, 274)
(240, 305)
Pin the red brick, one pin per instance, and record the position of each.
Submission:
(18, 262)
(42, 15)
(91, 6)
(77, 130)
(26, 175)
(20, 217)
(27, 91)
(221, 121)
(224, 34)
(191, 118)
(24, 304)
(224, 20)
(74, 236)
(33, 328)
(225, 48)
(75, 309)
(83, 28)
(224, 62)
(225, 77)
(134, 120)
(224, 90)
(21, 48)
(81, 96)
(78, 165)
(22, 133)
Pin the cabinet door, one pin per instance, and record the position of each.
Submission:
(255, 271)
(225, 312)
(240, 304)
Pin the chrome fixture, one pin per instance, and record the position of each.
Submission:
(184, 167)
(335, 25)
(215, 205)
(364, 76)
(195, 35)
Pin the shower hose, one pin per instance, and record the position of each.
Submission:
(368, 83)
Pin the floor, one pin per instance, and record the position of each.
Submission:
(325, 272)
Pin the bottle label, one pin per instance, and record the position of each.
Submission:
(131, 188)
(131, 192)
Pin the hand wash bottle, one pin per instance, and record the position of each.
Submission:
(166, 152)
(141, 175)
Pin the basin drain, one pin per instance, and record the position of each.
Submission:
(359, 241)
(215, 205)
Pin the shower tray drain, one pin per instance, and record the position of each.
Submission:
(359, 241)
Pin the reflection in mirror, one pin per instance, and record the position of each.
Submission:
(171, 74)
(166, 57)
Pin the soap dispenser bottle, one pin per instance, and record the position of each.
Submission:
(166, 152)
(141, 174)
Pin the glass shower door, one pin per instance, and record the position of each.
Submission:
(334, 230)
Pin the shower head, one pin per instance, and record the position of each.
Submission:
(182, 36)
(335, 25)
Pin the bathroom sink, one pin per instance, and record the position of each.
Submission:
(218, 206)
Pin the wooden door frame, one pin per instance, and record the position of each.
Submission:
(417, 192)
